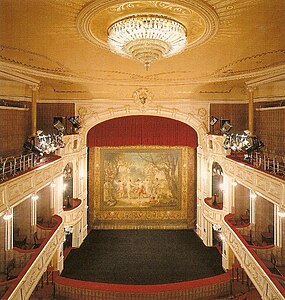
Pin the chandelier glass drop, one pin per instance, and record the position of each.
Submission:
(147, 38)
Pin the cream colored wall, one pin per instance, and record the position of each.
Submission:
(2, 244)
(242, 200)
(43, 204)
(22, 219)
(264, 215)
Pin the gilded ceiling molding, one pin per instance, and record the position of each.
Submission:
(267, 78)
(228, 91)
(30, 59)
(133, 79)
(257, 59)
(18, 77)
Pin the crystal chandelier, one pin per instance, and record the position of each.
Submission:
(147, 38)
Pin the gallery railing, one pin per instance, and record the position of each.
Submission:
(268, 162)
(267, 284)
(23, 286)
(13, 165)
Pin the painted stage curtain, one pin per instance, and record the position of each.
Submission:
(142, 130)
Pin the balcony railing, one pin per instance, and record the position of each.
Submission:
(216, 205)
(15, 165)
(267, 162)
(24, 284)
(267, 284)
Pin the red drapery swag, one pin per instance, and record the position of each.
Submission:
(142, 130)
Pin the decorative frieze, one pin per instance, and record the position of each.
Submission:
(268, 186)
(17, 189)
(259, 277)
(73, 216)
(213, 215)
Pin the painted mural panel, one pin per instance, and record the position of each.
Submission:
(140, 179)
(136, 187)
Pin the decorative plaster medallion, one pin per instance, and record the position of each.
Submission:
(143, 96)
(199, 18)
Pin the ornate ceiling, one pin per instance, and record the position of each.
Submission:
(62, 43)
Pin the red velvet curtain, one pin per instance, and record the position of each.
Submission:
(142, 130)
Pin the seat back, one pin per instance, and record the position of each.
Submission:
(36, 239)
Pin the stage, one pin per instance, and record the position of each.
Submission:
(142, 257)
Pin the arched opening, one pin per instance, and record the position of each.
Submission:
(142, 173)
(217, 184)
(67, 186)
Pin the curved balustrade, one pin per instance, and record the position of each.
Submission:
(73, 214)
(17, 188)
(212, 213)
(26, 281)
(265, 282)
(202, 288)
(267, 185)
(75, 203)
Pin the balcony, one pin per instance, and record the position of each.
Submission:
(269, 284)
(73, 212)
(212, 211)
(31, 264)
(17, 188)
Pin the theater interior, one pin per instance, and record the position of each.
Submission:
(142, 149)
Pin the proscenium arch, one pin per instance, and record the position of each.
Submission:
(142, 130)
(91, 118)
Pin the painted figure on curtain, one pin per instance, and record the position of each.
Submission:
(133, 178)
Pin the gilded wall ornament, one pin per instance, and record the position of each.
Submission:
(143, 96)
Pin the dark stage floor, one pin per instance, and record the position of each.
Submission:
(142, 257)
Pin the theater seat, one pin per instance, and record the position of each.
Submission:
(37, 241)
(12, 270)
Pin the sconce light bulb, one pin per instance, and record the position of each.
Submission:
(281, 214)
(52, 184)
(35, 197)
(8, 215)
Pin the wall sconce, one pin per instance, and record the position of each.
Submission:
(281, 214)
(8, 215)
(252, 195)
(234, 183)
(52, 184)
(35, 197)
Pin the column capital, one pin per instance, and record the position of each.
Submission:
(34, 87)
(251, 89)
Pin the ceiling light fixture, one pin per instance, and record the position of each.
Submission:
(147, 38)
